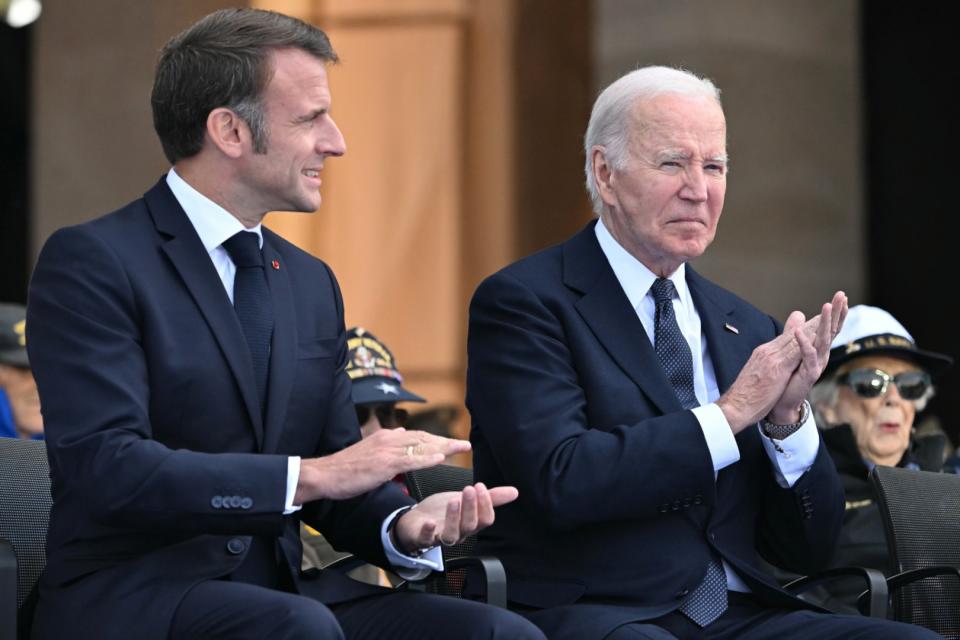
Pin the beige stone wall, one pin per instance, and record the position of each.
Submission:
(94, 148)
(791, 233)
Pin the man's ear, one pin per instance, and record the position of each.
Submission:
(603, 174)
(228, 132)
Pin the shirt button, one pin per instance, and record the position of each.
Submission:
(236, 546)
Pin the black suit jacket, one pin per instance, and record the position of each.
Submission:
(618, 502)
(161, 464)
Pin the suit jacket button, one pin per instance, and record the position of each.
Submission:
(246, 502)
(216, 502)
(687, 502)
(663, 508)
(236, 546)
(235, 502)
(682, 593)
(698, 499)
(676, 505)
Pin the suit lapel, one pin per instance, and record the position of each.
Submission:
(283, 355)
(715, 318)
(607, 311)
(193, 264)
(726, 349)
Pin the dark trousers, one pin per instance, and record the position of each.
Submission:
(225, 609)
(743, 620)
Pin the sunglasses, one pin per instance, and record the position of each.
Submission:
(389, 416)
(872, 383)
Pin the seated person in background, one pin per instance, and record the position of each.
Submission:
(19, 401)
(375, 391)
(867, 398)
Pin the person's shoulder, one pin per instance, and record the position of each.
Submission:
(545, 266)
(118, 227)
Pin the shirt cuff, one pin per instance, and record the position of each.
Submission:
(795, 454)
(409, 567)
(720, 440)
(293, 477)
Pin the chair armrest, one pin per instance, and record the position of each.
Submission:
(8, 591)
(908, 577)
(493, 572)
(872, 602)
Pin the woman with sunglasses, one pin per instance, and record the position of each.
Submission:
(876, 382)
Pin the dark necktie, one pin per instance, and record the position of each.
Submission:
(709, 600)
(251, 300)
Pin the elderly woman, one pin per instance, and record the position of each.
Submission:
(876, 382)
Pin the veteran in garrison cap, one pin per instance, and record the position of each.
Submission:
(377, 383)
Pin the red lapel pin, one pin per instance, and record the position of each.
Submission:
(276, 264)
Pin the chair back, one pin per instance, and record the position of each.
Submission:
(427, 482)
(921, 514)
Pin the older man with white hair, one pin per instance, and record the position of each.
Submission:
(654, 422)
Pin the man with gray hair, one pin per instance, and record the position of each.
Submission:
(654, 422)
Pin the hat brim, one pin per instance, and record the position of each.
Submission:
(377, 390)
(933, 363)
(15, 358)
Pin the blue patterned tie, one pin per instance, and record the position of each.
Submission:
(708, 601)
(251, 300)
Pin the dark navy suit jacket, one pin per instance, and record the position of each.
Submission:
(162, 466)
(618, 502)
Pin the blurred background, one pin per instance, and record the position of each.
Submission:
(464, 123)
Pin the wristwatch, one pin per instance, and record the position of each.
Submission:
(782, 431)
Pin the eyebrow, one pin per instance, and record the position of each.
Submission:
(311, 115)
(683, 155)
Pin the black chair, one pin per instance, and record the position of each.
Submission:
(459, 557)
(921, 516)
(24, 516)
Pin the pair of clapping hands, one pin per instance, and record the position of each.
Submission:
(779, 374)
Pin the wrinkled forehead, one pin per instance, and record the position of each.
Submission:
(672, 120)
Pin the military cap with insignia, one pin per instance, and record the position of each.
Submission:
(373, 370)
(873, 331)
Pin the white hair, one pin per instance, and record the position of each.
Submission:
(609, 125)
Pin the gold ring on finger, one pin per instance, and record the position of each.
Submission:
(409, 450)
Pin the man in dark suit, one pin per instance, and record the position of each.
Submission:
(654, 423)
(191, 372)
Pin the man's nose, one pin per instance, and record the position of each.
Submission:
(331, 143)
(694, 184)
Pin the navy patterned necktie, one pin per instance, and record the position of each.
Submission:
(251, 300)
(708, 601)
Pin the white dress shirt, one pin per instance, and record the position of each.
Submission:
(215, 225)
(791, 457)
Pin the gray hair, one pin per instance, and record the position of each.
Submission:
(609, 125)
